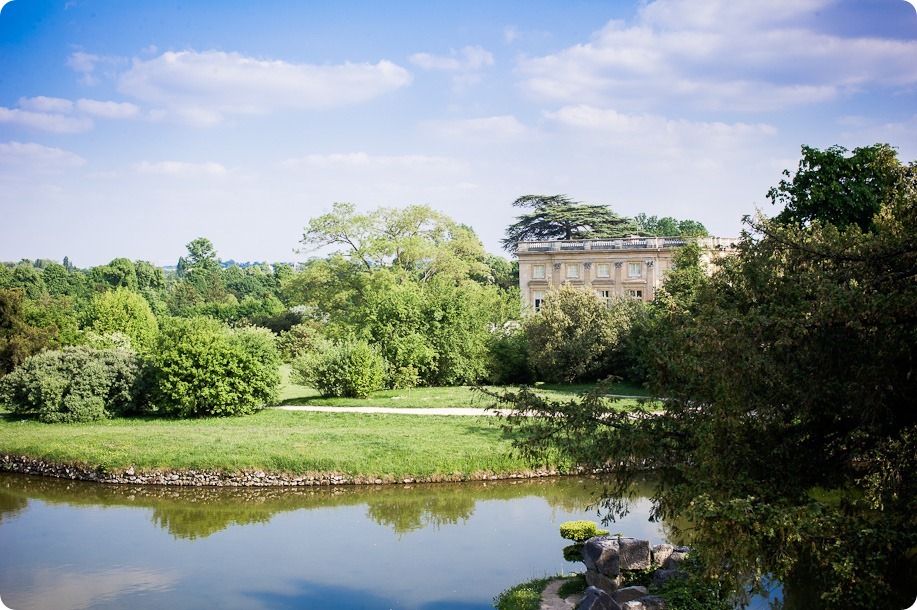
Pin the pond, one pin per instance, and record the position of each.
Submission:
(74, 545)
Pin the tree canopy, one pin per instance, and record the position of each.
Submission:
(788, 439)
(559, 217)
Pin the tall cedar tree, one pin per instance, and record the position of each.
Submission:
(559, 217)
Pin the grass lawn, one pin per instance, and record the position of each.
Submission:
(386, 446)
(291, 442)
(436, 397)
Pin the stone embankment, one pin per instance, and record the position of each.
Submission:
(26, 465)
(608, 559)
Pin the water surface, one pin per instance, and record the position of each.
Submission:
(433, 547)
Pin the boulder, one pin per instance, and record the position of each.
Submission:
(603, 582)
(625, 594)
(610, 554)
(635, 554)
(674, 559)
(596, 599)
(650, 602)
(601, 554)
(661, 576)
(661, 552)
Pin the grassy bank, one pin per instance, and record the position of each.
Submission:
(276, 441)
(437, 397)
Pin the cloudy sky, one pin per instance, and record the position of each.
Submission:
(129, 128)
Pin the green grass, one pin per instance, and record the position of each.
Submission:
(387, 446)
(436, 397)
(527, 595)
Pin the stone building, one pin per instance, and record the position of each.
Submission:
(627, 267)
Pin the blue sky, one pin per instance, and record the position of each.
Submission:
(130, 128)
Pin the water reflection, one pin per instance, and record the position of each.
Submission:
(444, 546)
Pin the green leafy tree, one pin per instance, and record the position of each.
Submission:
(119, 273)
(149, 277)
(789, 437)
(350, 368)
(669, 227)
(127, 312)
(559, 217)
(26, 277)
(203, 368)
(76, 384)
(18, 338)
(842, 189)
(575, 335)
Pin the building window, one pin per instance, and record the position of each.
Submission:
(605, 296)
(635, 294)
(634, 269)
(538, 272)
(603, 270)
(572, 271)
(537, 299)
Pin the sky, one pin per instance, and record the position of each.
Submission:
(128, 128)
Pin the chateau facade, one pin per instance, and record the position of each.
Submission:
(627, 267)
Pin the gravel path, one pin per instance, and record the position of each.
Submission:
(400, 411)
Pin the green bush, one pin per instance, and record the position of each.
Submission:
(508, 356)
(124, 311)
(350, 368)
(580, 531)
(75, 384)
(202, 367)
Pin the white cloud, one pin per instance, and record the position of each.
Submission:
(469, 58)
(86, 64)
(181, 168)
(108, 110)
(719, 55)
(611, 121)
(361, 160)
(200, 87)
(17, 157)
(57, 115)
(44, 121)
(506, 128)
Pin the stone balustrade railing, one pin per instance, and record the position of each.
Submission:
(625, 243)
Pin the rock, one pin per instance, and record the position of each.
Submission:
(596, 599)
(601, 554)
(661, 552)
(650, 602)
(661, 576)
(673, 560)
(625, 594)
(603, 582)
(635, 554)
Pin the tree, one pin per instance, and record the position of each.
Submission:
(669, 227)
(76, 384)
(415, 238)
(559, 217)
(18, 338)
(203, 368)
(789, 437)
(575, 335)
(833, 187)
(124, 311)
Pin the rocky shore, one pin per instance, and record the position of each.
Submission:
(130, 476)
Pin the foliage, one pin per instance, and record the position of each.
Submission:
(525, 596)
(842, 190)
(203, 368)
(669, 227)
(789, 370)
(509, 362)
(298, 340)
(350, 368)
(119, 273)
(576, 337)
(559, 217)
(76, 384)
(580, 531)
(18, 338)
(124, 311)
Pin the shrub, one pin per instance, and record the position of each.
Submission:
(202, 367)
(75, 384)
(508, 356)
(350, 368)
(124, 311)
(580, 531)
